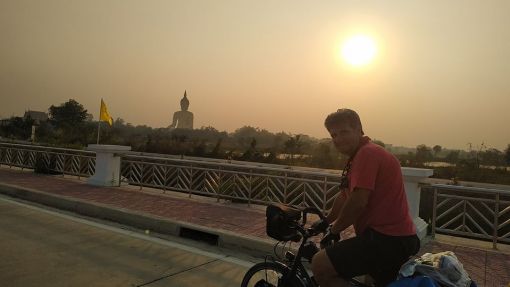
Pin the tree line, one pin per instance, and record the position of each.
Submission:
(69, 125)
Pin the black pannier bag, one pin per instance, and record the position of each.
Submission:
(281, 220)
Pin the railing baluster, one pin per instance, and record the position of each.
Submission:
(285, 190)
(63, 165)
(153, 175)
(464, 214)
(79, 169)
(324, 194)
(218, 189)
(434, 213)
(267, 189)
(250, 187)
(10, 159)
(140, 178)
(303, 198)
(22, 160)
(165, 177)
(496, 222)
(191, 181)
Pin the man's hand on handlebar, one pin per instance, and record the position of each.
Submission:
(329, 238)
(320, 225)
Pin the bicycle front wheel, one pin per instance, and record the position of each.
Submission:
(268, 274)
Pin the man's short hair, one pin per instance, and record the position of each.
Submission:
(344, 116)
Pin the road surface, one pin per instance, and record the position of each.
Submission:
(42, 247)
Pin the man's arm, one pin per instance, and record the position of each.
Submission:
(338, 204)
(354, 205)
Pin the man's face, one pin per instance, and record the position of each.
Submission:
(345, 138)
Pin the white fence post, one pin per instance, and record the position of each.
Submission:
(412, 177)
(107, 171)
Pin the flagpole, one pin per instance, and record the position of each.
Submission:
(99, 121)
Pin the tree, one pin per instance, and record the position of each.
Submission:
(474, 155)
(423, 153)
(437, 149)
(217, 148)
(18, 128)
(69, 121)
(326, 156)
(68, 114)
(244, 136)
(492, 157)
(507, 155)
(199, 148)
(293, 146)
(251, 153)
(453, 156)
(45, 132)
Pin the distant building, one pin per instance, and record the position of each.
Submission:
(38, 117)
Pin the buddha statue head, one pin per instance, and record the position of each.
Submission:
(184, 103)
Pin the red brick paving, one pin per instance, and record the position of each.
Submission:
(249, 221)
(475, 259)
(486, 267)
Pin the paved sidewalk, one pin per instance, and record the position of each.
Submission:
(487, 267)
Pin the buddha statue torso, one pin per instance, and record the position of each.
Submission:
(183, 119)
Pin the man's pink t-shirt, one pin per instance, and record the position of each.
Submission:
(377, 170)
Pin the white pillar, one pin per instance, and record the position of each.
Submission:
(107, 172)
(32, 136)
(412, 177)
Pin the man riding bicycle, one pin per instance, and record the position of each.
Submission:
(373, 199)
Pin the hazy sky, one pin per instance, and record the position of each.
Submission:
(441, 74)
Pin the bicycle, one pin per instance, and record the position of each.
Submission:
(283, 224)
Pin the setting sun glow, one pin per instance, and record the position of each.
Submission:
(359, 50)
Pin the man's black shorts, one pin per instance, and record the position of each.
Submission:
(372, 253)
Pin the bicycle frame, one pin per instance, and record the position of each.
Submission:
(297, 270)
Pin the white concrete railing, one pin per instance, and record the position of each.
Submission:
(248, 182)
(48, 159)
(257, 183)
(472, 212)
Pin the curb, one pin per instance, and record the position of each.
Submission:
(253, 246)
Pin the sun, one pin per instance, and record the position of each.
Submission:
(359, 50)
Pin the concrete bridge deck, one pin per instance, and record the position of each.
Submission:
(231, 224)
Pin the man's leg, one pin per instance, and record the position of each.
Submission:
(324, 272)
(393, 251)
(336, 264)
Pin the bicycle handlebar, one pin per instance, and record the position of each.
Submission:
(312, 210)
(308, 232)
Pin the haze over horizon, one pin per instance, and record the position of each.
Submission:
(440, 74)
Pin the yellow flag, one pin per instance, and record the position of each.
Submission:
(103, 114)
